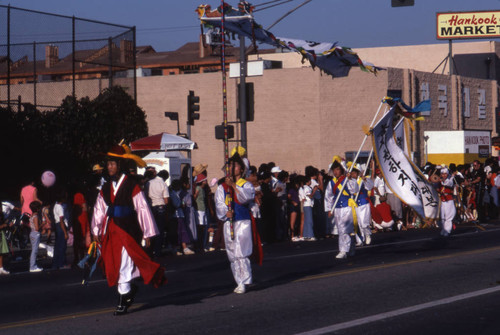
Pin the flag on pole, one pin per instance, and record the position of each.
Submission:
(399, 173)
(328, 57)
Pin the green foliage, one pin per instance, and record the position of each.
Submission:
(70, 139)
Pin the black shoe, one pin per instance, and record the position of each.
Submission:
(125, 301)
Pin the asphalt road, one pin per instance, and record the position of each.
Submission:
(404, 283)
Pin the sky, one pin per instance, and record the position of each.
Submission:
(168, 24)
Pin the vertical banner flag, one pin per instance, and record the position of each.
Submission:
(399, 173)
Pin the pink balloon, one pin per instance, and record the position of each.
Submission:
(48, 178)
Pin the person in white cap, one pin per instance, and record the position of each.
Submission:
(448, 210)
(274, 177)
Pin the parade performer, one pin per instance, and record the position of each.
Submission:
(448, 209)
(363, 212)
(243, 240)
(342, 212)
(121, 220)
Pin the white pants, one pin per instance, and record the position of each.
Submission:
(128, 271)
(364, 216)
(202, 218)
(448, 212)
(345, 224)
(383, 224)
(331, 225)
(239, 249)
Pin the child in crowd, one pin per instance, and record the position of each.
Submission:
(61, 225)
(293, 205)
(201, 210)
(4, 247)
(184, 235)
(46, 227)
(308, 203)
(35, 225)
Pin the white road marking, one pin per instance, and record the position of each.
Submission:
(397, 312)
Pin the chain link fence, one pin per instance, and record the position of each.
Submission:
(46, 57)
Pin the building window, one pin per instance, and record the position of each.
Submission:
(443, 100)
(466, 101)
(481, 106)
(425, 95)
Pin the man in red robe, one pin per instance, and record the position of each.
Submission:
(121, 221)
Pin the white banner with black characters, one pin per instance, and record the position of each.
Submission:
(399, 173)
(400, 136)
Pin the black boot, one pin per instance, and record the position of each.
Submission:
(125, 301)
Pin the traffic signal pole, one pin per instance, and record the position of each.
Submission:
(192, 109)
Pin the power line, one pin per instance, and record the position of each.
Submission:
(288, 13)
(271, 6)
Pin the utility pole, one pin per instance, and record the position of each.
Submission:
(243, 94)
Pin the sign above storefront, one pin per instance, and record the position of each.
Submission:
(466, 25)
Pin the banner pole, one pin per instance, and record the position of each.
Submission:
(224, 105)
(363, 176)
(356, 158)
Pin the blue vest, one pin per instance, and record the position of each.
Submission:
(363, 196)
(344, 197)
(241, 212)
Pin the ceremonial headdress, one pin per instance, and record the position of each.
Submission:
(337, 163)
(356, 167)
(240, 150)
(123, 152)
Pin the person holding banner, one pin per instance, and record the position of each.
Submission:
(448, 210)
(338, 204)
(240, 234)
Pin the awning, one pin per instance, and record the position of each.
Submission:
(162, 141)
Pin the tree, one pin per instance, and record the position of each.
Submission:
(70, 139)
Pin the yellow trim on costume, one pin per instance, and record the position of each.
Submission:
(335, 180)
(351, 203)
(241, 182)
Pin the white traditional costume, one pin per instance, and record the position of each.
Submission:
(363, 212)
(448, 209)
(239, 246)
(342, 212)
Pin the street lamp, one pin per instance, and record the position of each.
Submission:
(174, 116)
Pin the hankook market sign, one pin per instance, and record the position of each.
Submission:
(463, 25)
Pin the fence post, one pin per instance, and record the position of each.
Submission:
(8, 57)
(34, 74)
(110, 58)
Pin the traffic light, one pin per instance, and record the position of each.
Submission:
(219, 131)
(402, 3)
(193, 107)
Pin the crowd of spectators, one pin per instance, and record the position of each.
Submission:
(287, 207)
